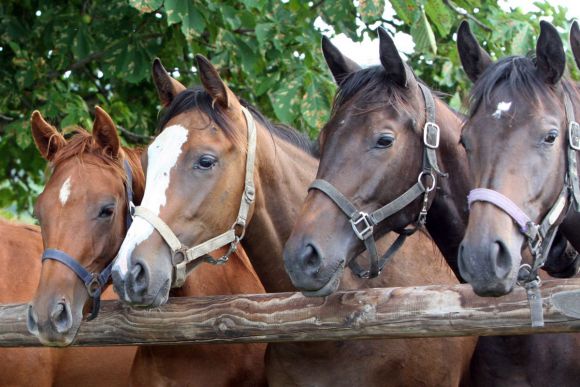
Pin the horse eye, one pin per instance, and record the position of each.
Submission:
(205, 162)
(385, 141)
(551, 137)
(107, 211)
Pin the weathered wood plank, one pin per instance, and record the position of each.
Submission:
(429, 311)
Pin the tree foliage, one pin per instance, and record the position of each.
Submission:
(63, 58)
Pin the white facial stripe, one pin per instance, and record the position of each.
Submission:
(64, 191)
(162, 156)
(501, 107)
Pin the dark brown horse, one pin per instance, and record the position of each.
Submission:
(198, 196)
(535, 360)
(83, 212)
(365, 113)
(517, 140)
(21, 247)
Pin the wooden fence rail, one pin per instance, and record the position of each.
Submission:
(428, 311)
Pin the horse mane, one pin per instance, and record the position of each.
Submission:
(374, 87)
(197, 98)
(82, 143)
(519, 74)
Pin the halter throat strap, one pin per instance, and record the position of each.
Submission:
(94, 282)
(363, 224)
(184, 258)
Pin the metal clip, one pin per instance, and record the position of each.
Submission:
(364, 220)
(431, 135)
(574, 135)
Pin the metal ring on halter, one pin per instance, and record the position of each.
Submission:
(521, 281)
(94, 286)
(182, 251)
(433, 181)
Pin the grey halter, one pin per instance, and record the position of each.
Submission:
(184, 258)
(363, 223)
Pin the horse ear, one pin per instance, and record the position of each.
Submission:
(47, 139)
(391, 60)
(167, 87)
(105, 132)
(473, 57)
(550, 56)
(575, 41)
(340, 66)
(213, 84)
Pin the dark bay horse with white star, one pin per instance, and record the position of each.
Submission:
(516, 136)
(202, 158)
(372, 151)
(84, 212)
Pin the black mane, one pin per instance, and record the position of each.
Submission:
(375, 87)
(519, 74)
(198, 98)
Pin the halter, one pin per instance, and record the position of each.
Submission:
(540, 236)
(182, 255)
(94, 282)
(363, 224)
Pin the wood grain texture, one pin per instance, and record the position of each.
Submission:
(427, 311)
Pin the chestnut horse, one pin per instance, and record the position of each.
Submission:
(205, 130)
(21, 247)
(83, 212)
(372, 150)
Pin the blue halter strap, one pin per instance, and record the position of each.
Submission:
(94, 282)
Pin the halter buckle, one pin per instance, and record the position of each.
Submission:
(94, 285)
(574, 135)
(179, 256)
(362, 225)
(431, 135)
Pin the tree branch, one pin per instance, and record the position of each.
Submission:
(464, 13)
(135, 137)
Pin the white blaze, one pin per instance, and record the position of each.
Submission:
(64, 191)
(501, 107)
(162, 156)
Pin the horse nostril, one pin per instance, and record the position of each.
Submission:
(501, 259)
(61, 317)
(138, 278)
(32, 320)
(461, 262)
(310, 259)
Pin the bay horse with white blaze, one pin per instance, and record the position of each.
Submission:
(222, 149)
(84, 211)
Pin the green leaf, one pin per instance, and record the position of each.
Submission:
(314, 106)
(264, 34)
(441, 17)
(423, 35)
(407, 11)
(185, 12)
(286, 100)
(371, 10)
(81, 46)
(146, 6)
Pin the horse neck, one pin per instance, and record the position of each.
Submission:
(283, 173)
(447, 217)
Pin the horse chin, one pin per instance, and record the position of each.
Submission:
(330, 287)
(153, 301)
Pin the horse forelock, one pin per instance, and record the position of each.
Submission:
(516, 76)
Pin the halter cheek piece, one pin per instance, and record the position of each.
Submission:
(540, 236)
(94, 282)
(363, 223)
(184, 258)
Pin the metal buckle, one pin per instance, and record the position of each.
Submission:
(365, 220)
(94, 285)
(179, 256)
(574, 135)
(431, 135)
(433, 181)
